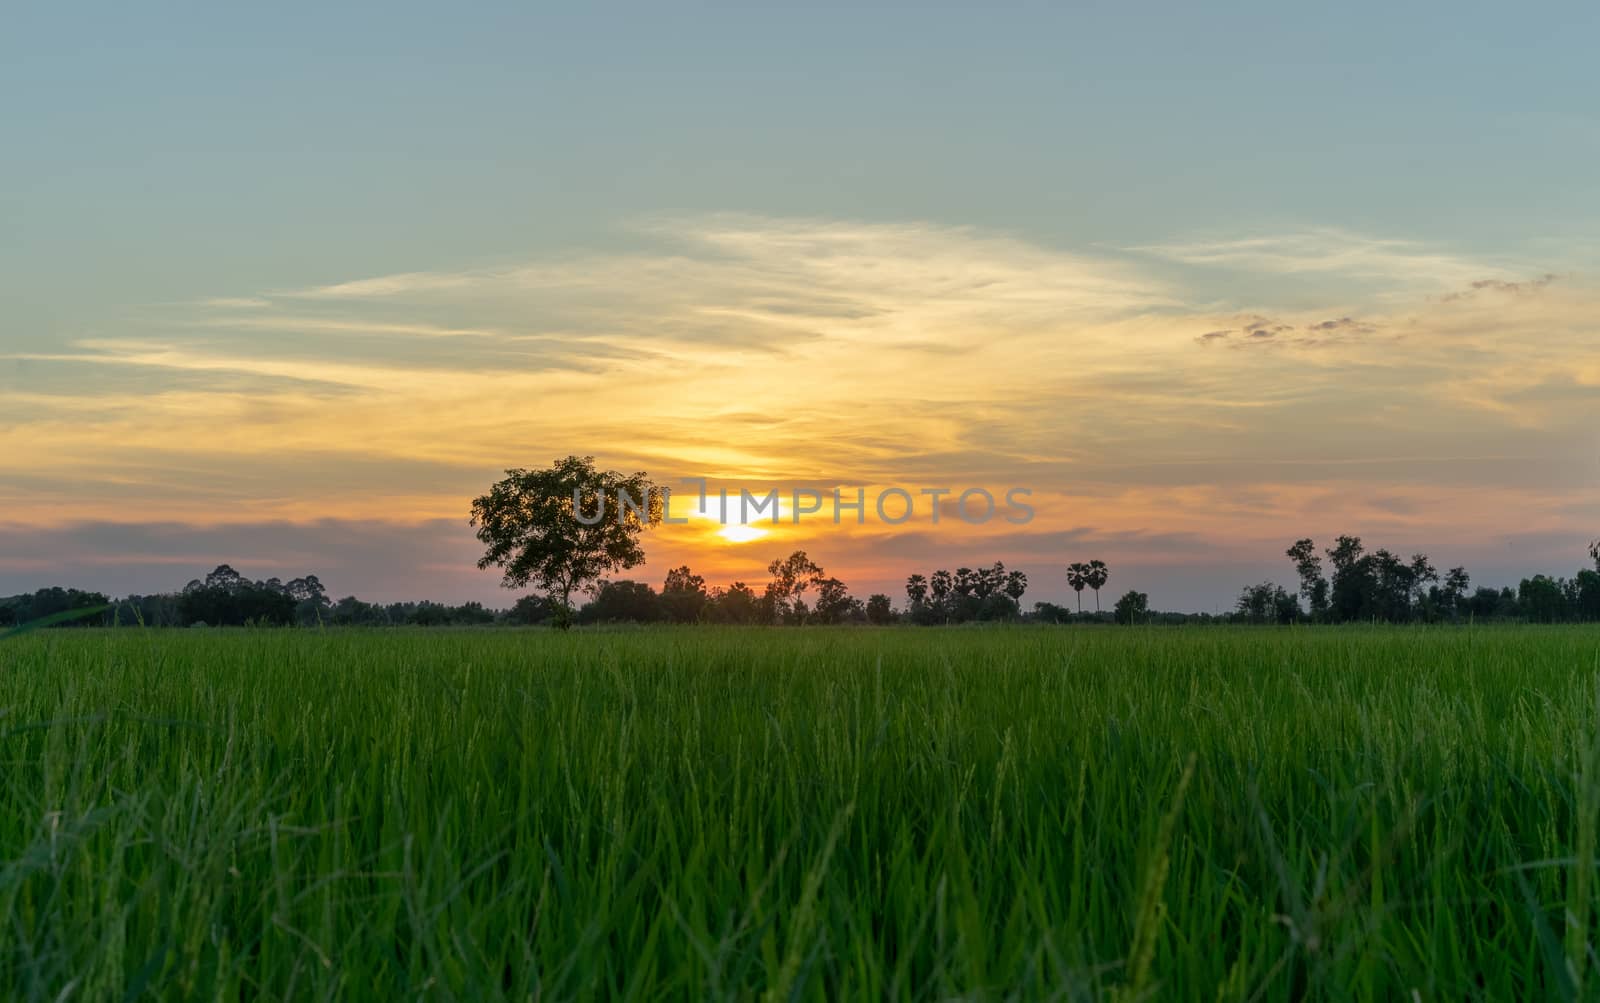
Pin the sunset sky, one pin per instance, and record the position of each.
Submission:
(287, 286)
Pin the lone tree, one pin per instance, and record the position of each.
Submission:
(564, 527)
(791, 576)
(1132, 607)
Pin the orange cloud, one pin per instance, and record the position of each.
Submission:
(775, 353)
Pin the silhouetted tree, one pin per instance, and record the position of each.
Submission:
(1078, 578)
(159, 610)
(531, 610)
(1016, 586)
(834, 602)
(1586, 595)
(683, 596)
(738, 603)
(1132, 607)
(1453, 593)
(1375, 586)
(879, 610)
(965, 598)
(224, 577)
(310, 599)
(622, 602)
(536, 526)
(1049, 612)
(1096, 578)
(352, 612)
(54, 602)
(1394, 577)
(791, 577)
(1313, 586)
(227, 598)
(1422, 575)
(941, 590)
(917, 590)
(1487, 603)
(986, 593)
(1542, 598)
(917, 608)
(1268, 603)
(997, 593)
(307, 588)
(1352, 584)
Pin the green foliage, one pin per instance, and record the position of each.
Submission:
(784, 600)
(1543, 599)
(1132, 607)
(879, 610)
(531, 611)
(622, 602)
(988, 593)
(225, 598)
(51, 607)
(75, 615)
(1267, 603)
(1380, 587)
(1078, 580)
(1313, 586)
(1095, 577)
(563, 527)
(684, 598)
(723, 813)
(739, 604)
(1088, 574)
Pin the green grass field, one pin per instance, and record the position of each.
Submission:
(814, 814)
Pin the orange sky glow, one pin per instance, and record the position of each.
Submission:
(1357, 385)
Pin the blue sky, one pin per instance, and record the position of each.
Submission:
(170, 150)
(160, 161)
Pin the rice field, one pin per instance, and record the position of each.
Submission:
(709, 813)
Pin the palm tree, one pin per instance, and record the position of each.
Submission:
(1095, 577)
(1078, 577)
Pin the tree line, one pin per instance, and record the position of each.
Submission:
(1343, 584)
(531, 527)
(1356, 585)
(225, 598)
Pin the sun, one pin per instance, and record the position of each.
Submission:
(728, 516)
(740, 533)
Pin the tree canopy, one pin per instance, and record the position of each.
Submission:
(564, 527)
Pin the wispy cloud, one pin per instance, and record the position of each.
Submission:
(236, 302)
(385, 286)
(1335, 252)
(782, 350)
(278, 321)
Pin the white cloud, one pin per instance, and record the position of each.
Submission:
(739, 346)
(387, 286)
(236, 302)
(1335, 252)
